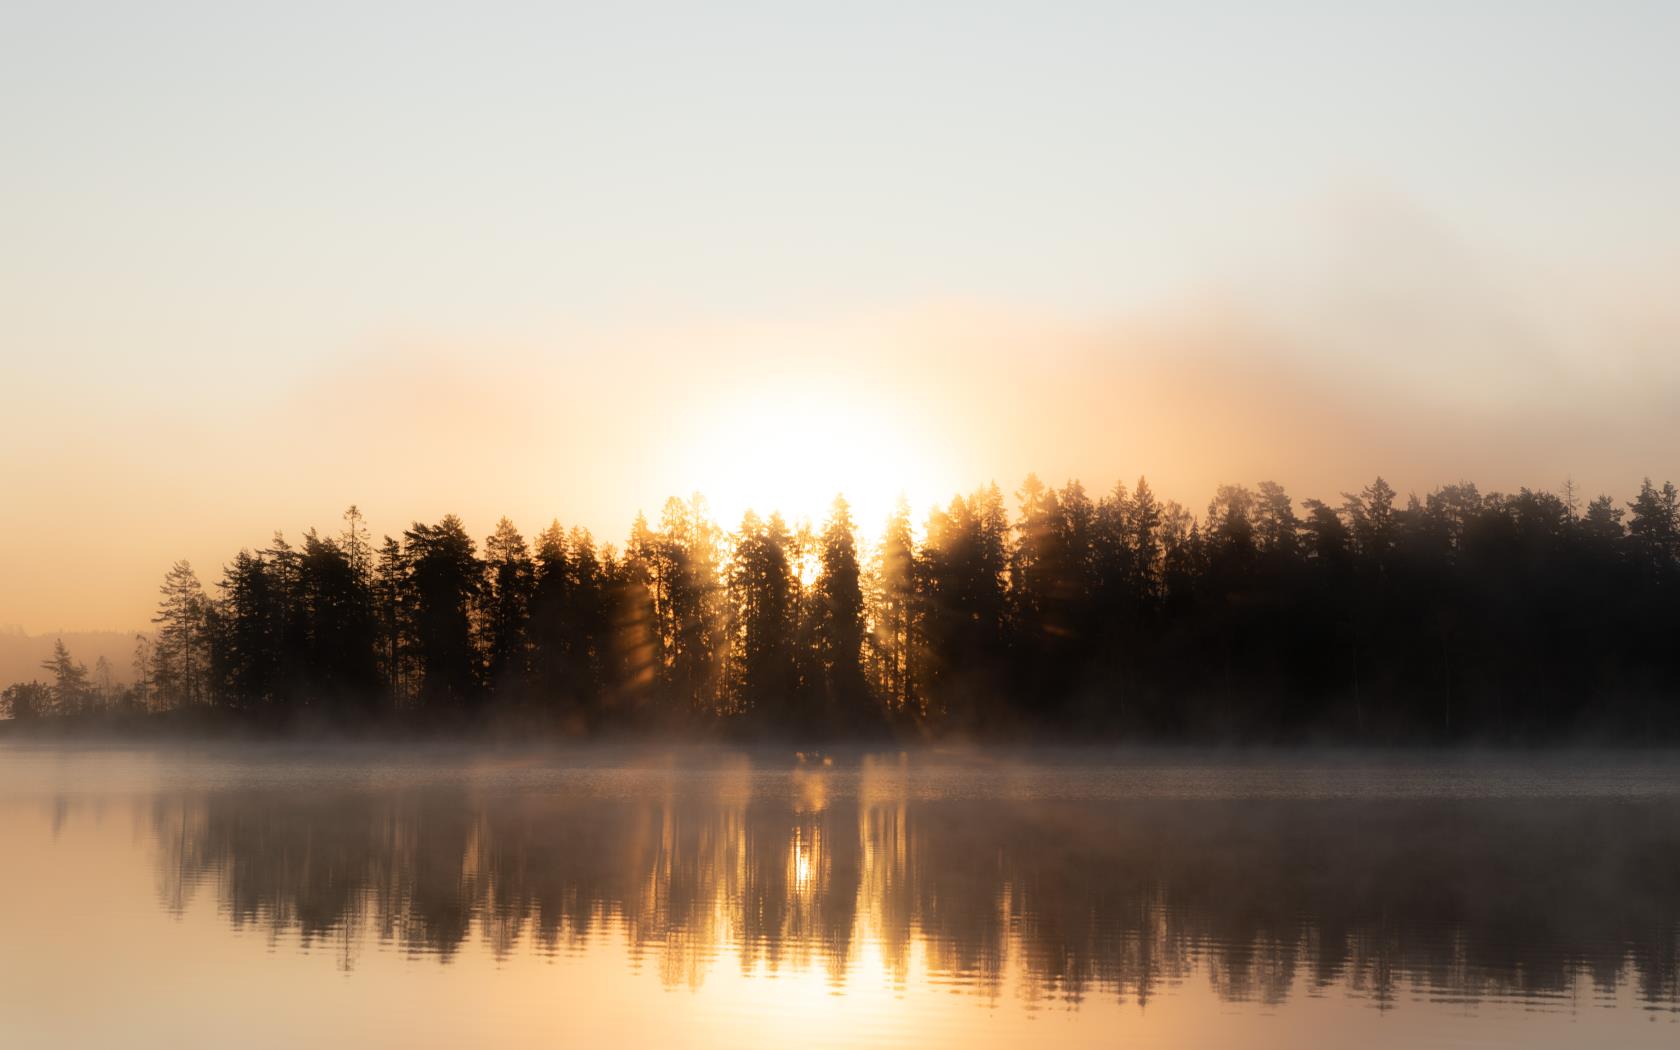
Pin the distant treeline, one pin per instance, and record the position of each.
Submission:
(1460, 615)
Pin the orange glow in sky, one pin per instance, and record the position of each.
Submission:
(569, 264)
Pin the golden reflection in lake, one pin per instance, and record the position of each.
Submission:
(193, 900)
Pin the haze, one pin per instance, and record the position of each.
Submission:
(566, 262)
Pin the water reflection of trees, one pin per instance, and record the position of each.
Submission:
(1464, 900)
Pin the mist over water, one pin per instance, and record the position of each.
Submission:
(958, 899)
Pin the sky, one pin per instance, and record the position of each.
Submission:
(258, 263)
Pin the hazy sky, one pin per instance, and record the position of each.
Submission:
(259, 262)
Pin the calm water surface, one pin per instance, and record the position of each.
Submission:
(277, 897)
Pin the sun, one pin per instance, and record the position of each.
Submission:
(791, 448)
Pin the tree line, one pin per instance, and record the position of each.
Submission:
(1458, 615)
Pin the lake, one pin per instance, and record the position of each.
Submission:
(281, 896)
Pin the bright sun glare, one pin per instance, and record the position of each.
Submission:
(793, 450)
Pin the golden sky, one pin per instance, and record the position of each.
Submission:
(597, 426)
(434, 261)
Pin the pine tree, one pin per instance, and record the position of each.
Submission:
(144, 663)
(441, 589)
(509, 582)
(181, 652)
(256, 616)
(389, 585)
(1144, 523)
(892, 612)
(763, 593)
(1654, 526)
(839, 618)
(693, 619)
(70, 681)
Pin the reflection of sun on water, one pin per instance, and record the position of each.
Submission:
(801, 861)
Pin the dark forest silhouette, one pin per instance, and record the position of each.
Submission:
(1457, 616)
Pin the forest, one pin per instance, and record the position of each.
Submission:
(1458, 616)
